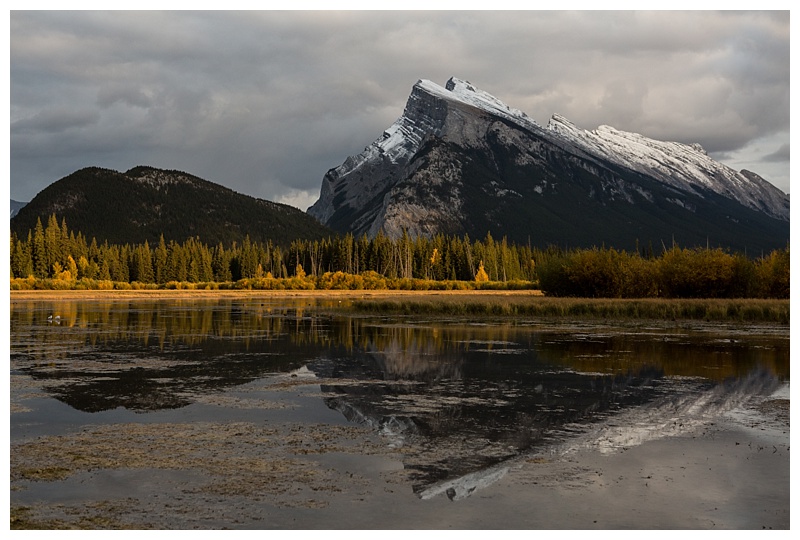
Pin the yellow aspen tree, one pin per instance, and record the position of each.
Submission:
(481, 275)
(72, 268)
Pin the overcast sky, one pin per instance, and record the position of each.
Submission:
(266, 102)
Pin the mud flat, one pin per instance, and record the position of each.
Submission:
(731, 472)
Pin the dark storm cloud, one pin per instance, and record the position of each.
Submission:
(780, 155)
(267, 102)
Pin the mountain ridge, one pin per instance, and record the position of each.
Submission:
(457, 157)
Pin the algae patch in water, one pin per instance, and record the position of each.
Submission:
(283, 464)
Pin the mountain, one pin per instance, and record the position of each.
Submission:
(16, 206)
(459, 161)
(144, 203)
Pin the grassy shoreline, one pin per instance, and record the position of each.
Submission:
(711, 310)
(260, 293)
(475, 304)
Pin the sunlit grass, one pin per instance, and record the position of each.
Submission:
(478, 303)
(744, 310)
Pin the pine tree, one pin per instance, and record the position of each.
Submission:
(52, 243)
(41, 268)
(78, 247)
(177, 262)
(206, 269)
(103, 272)
(248, 259)
(144, 264)
(93, 253)
(220, 264)
(160, 262)
(65, 246)
(21, 262)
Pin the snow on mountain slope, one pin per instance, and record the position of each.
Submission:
(464, 92)
(680, 165)
(676, 164)
(446, 161)
(430, 111)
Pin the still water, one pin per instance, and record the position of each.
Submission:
(459, 400)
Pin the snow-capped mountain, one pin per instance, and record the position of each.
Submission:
(459, 161)
(683, 166)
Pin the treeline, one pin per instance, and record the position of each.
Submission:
(676, 273)
(53, 253)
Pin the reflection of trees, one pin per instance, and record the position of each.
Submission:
(186, 321)
(166, 349)
(403, 349)
(153, 355)
(463, 396)
(689, 355)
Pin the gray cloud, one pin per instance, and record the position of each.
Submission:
(55, 121)
(266, 102)
(780, 155)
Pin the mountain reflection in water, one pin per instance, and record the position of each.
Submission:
(464, 400)
(469, 407)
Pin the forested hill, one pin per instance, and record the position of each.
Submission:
(144, 203)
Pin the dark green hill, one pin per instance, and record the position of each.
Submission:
(144, 203)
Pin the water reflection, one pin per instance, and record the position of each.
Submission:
(470, 408)
(463, 399)
(147, 356)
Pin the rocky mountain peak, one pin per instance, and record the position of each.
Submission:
(698, 148)
(461, 160)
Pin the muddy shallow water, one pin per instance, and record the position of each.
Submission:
(284, 413)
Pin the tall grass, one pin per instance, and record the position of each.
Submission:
(745, 310)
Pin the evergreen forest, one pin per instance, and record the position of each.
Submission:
(52, 256)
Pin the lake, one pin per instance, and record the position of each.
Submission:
(291, 412)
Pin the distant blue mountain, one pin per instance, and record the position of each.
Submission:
(16, 206)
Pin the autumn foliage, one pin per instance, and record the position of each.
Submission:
(676, 273)
(53, 257)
